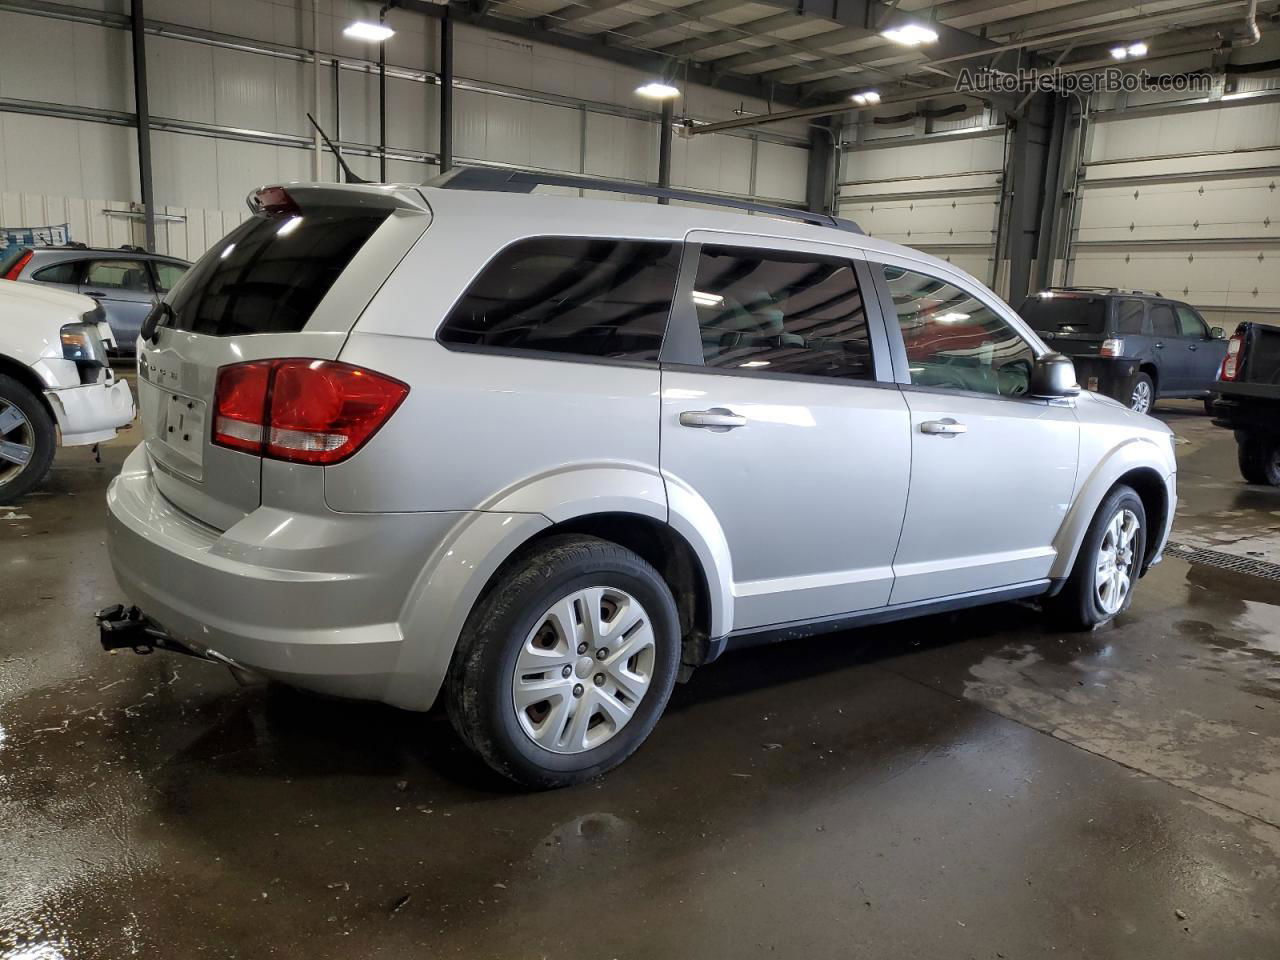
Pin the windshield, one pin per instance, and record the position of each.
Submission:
(270, 273)
(1064, 315)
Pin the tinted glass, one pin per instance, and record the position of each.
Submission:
(574, 295)
(1065, 314)
(1129, 315)
(955, 341)
(9, 256)
(168, 274)
(1190, 324)
(1163, 322)
(117, 275)
(778, 312)
(58, 273)
(269, 274)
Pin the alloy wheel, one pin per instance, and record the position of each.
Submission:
(1141, 399)
(17, 441)
(583, 670)
(1116, 562)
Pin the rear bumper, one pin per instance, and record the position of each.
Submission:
(92, 412)
(313, 601)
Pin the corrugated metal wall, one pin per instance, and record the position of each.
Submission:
(228, 119)
(938, 191)
(1184, 199)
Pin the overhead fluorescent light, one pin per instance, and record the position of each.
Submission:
(755, 363)
(658, 91)
(911, 34)
(1138, 49)
(1119, 53)
(866, 98)
(707, 299)
(953, 317)
(373, 32)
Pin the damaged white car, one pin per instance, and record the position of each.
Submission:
(56, 385)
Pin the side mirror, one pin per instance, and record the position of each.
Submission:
(1053, 377)
(1217, 333)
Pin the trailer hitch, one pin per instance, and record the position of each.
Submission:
(128, 628)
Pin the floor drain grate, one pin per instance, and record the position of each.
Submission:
(1225, 561)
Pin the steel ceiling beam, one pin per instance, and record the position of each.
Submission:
(581, 11)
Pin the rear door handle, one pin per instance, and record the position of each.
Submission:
(95, 293)
(1192, 346)
(717, 418)
(943, 428)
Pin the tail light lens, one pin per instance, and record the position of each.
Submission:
(302, 411)
(16, 270)
(1231, 362)
(1112, 347)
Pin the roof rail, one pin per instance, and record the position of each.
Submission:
(516, 181)
(1116, 290)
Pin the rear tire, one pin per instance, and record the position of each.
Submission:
(1143, 397)
(1208, 406)
(26, 430)
(1098, 590)
(1259, 457)
(565, 663)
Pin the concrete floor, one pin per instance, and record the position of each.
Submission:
(962, 786)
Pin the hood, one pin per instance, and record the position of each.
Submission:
(15, 294)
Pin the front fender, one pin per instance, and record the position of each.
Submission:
(1136, 453)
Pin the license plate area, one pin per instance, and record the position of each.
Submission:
(179, 429)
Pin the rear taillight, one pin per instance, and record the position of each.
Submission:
(16, 270)
(1112, 347)
(303, 411)
(1231, 362)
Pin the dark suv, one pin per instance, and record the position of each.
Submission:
(127, 281)
(1132, 345)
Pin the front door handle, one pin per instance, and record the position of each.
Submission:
(1160, 345)
(943, 428)
(717, 418)
(95, 293)
(1192, 346)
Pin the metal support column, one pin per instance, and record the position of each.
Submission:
(142, 111)
(1027, 172)
(664, 148)
(820, 179)
(317, 169)
(337, 115)
(382, 101)
(1047, 245)
(446, 92)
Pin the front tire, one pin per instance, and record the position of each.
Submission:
(1110, 560)
(27, 440)
(566, 662)
(1259, 458)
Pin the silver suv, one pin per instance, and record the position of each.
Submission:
(545, 456)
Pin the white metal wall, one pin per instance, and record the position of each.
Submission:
(1184, 199)
(938, 192)
(229, 119)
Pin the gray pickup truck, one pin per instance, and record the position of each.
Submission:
(1248, 400)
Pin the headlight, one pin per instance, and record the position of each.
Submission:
(81, 343)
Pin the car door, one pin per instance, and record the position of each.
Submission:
(781, 420)
(1172, 364)
(124, 289)
(992, 469)
(1203, 353)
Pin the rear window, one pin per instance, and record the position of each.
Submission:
(570, 295)
(1065, 314)
(269, 274)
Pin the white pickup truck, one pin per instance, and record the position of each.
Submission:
(53, 374)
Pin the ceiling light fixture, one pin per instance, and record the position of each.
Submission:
(1139, 49)
(373, 32)
(867, 98)
(656, 90)
(707, 299)
(911, 34)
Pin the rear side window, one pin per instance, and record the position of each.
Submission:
(1129, 315)
(571, 295)
(1065, 314)
(271, 272)
(117, 275)
(1163, 322)
(59, 273)
(773, 312)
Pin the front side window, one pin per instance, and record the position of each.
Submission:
(1190, 324)
(780, 312)
(167, 274)
(572, 295)
(955, 341)
(1163, 322)
(128, 275)
(1129, 315)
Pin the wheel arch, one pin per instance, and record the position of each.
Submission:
(22, 373)
(1152, 371)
